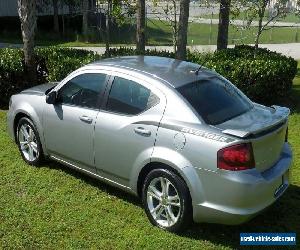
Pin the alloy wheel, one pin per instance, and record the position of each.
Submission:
(28, 143)
(163, 202)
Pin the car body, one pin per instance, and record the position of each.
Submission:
(231, 155)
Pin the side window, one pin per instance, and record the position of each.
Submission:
(128, 97)
(83, 90)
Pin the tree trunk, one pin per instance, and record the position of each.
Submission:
(63, 18)
(261, 13)
(27, 14)
(55, 17)
(223, 24)
(107, 27)
(258, 33)
(140, 26)
(182, 29)
(174, 27)
(85, 12)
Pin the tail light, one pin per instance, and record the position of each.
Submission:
(287, 134)
(236, 157)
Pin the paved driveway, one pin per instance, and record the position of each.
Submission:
(288, 49)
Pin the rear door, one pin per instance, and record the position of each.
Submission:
(125, 131)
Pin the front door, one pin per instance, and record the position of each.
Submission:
(69, 124)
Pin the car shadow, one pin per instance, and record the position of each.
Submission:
(292, 100)
(113, 191)
(283, 216)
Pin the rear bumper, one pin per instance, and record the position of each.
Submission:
(235, 197)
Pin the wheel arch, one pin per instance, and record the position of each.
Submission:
(186, 172)
(16, 120)
(148, 168)
(31, 114)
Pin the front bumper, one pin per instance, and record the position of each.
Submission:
(235, 197)
(10, 125)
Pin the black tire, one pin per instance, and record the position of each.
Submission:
(185, 212)
(40, 155)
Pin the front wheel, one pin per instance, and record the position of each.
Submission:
(166, 200)
(29, 142)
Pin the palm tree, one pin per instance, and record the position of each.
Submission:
(182, 29)
(55, 16)
(85, 25)
(140, 26)
(27, 14)
(222, 41)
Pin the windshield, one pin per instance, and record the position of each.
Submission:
(215, 99)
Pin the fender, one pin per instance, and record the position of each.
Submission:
(27, 109)
(179, 163)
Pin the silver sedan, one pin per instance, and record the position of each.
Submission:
(181, 137)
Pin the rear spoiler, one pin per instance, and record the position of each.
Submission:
(281, 112)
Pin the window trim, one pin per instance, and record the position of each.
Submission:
(107, 93)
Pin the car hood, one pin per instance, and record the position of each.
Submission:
(256, 120)
(40, 89)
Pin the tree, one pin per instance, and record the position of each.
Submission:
(85, 15)
(167, 13)
(182, 29)
(117, 12)
(107, 27)
(222, 40)
(257, 9)
(27, 14)
(55, 17)
(140, 26)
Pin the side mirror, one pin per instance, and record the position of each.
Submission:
(51, 97)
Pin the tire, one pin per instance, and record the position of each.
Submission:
(29, 143)
(170, 210)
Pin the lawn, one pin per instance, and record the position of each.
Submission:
(159, 33)
(53, 207)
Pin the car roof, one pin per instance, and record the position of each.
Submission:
(172, 71)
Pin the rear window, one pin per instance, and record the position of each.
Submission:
(215, 99)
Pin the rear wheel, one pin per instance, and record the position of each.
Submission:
(29, 142)
(166, 200)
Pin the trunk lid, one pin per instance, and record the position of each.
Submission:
(265, 127)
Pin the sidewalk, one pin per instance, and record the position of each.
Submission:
(288, 49)
(243, 23)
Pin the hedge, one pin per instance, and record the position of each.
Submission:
(262, 75)
(53, 64)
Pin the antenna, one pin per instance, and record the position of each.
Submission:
(202, 64)
(197, 71)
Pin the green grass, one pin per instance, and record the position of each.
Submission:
(53, 207)
(159, 33)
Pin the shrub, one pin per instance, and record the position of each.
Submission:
(56, 62)
(13, 74)
(62, 61)
(262, 75)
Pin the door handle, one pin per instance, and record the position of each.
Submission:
(86, 119)
(142, 131)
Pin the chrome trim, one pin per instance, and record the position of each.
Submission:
(88, 172)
